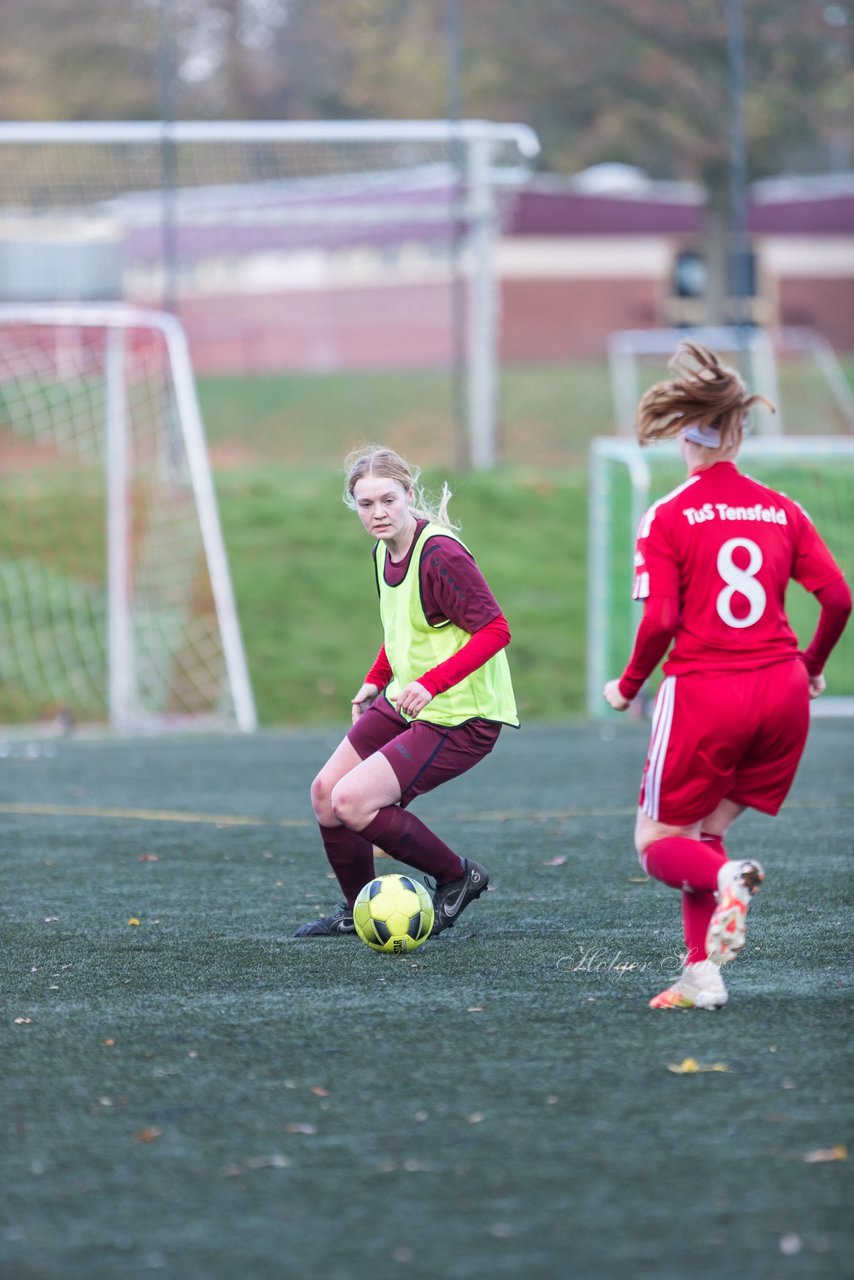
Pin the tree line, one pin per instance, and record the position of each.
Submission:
(637, 81)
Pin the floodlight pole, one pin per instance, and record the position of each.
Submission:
(738, 242)
(453, 51)
(166, 77)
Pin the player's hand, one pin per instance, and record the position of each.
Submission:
(363, 699)
(818, 684)
(614, 698)
(412, 699)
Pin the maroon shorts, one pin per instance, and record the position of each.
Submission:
(738, 737)
(422, 755)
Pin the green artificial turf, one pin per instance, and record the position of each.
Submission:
(200, 1096)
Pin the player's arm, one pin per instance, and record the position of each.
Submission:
(483, 645)
(453, 587)
(816, 569)
(376, 679)
(657, 629)
(835, 602)
(657, 584)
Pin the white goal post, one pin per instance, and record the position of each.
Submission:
(794, 366)
(818, 471)
(313, 246)
(115, 597)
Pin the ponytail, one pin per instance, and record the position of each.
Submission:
(707, 402)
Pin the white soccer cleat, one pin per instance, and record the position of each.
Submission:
(737, 883)
(700, 986)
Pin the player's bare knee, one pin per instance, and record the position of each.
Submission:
(348, 807)
(645, 832)
(321, 800)
(641, 846)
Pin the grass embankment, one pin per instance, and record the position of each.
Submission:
(304, 582)
(301, 562)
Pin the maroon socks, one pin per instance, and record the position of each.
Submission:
(351, 857)
(406, 838)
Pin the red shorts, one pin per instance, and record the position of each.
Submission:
(738, 737)
(422, 755)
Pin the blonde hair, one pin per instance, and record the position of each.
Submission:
(376, 460)
(705, 393)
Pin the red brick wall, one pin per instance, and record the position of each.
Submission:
(545, 320)
(825, 305)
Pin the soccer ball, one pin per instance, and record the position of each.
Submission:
(393, 913)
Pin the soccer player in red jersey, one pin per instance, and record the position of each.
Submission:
(712, 563)
(431, 706)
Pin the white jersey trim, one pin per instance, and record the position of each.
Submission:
(646, 523)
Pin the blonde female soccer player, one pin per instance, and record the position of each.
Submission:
(712, 563)
(431, 706)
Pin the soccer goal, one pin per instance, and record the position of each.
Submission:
(795, 367)
(321, 248)
(115, 597)
(625, 480)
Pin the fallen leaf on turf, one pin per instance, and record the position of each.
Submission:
(501, 1230)
(109, 1042)
(300, 1128)
(319, 1091)
(555, 862)
(148, 857)
(267, 1162)
(690, 1066)
(133, 920)
(147, 1135)
(825, 1154)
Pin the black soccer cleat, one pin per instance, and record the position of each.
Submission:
(450, 900)
(338, 925)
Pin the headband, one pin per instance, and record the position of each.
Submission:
(710, 437)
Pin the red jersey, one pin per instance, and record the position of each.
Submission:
(726, 546)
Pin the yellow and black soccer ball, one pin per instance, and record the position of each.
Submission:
(393, 913)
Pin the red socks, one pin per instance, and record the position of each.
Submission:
(406, 838)
(684, 863)
(692, 866)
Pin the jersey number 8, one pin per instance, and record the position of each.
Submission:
(740, 582)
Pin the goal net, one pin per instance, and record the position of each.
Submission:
(301, 248)
(115, 598)
(795, 367)
(625, 480)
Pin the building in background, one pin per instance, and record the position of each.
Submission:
(612, 249)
